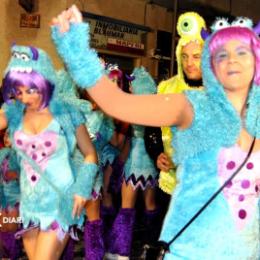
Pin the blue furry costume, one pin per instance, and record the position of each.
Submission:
(43, 204)
(216, 124)
(139, 169)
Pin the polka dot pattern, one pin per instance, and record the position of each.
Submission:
(241, 197)
(242, 214)
(33, 178)
(245, 184)
(19, 142)
(231, 165)
(38, 147)
(250, 166)
(47, 143)
(243, 192)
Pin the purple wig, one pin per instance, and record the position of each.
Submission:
(14, 79)
(243, 34)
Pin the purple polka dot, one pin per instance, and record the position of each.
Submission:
(241, 197)
(229, 184)
(33, 178)
(43, 154)
(54, 225)
(242, 214)
(34, 156)
(250, 166)
(47, 143)
(231, 165)
(19, 142)
(33, 146)
(245, 184)
(256, 188)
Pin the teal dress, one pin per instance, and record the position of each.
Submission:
(139, 168)
(48, 168)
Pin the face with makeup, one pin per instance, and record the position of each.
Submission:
(234, 65)
(29, 96)
(191, 59)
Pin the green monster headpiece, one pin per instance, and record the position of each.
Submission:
(190, 26)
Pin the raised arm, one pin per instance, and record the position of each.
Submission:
(153, 110)
(85, 68)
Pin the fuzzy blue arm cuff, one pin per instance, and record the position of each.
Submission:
(82, 62)
(85, 180)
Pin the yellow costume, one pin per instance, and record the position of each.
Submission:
(189, 28)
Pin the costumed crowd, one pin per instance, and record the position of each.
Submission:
(80, 145)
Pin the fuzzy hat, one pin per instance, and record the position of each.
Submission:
(142, 82)
(28, 59)
(190, 27)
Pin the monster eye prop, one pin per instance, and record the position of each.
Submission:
(219, 24)
(243, 22)
(22, 56)
(188, 25)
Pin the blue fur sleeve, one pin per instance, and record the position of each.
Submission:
(13, 113)
(77, 116)
(82, 62)
(85, 179)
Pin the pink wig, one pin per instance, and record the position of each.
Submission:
(242, 34)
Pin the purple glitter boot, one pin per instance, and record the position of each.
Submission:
(122, 232)
(93, 237)
(11, 247)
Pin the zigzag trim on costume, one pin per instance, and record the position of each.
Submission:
(141, 181)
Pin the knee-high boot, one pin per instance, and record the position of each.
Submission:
(122, 232)
(93, 238)
(12, 247)
(152, 223)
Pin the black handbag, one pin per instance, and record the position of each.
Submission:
(157, 251)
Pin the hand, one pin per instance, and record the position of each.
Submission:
(163, 162)
(63, 20)
(79, 203)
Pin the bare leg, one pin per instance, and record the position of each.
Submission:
(93, 209)
(29, 242)
(128, 196)
(149, 199)
(49, 246)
